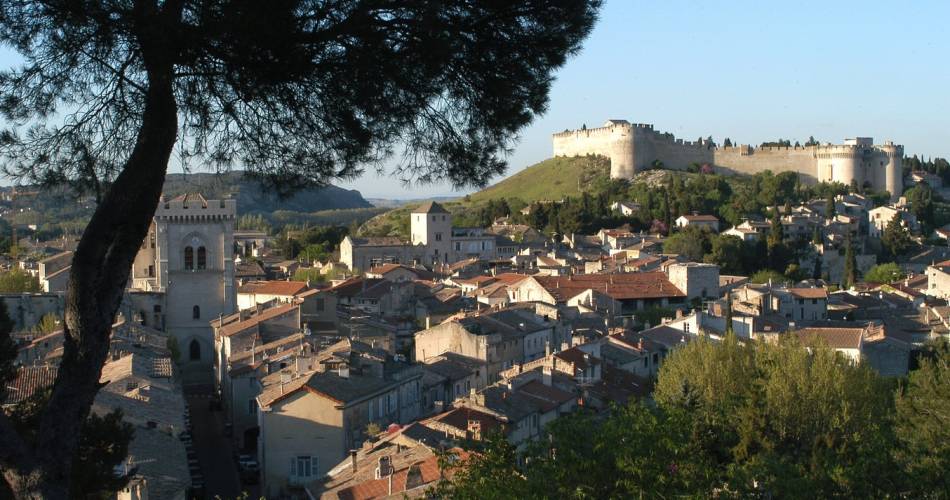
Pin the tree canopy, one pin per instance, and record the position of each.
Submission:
(738, 419)
(294, 92)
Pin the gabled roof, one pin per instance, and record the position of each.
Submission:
(239, 326)
(620, 286)
(833, 337)
(700, 218)
(430, 208)
(248, 269)
(29, 380)
(809, 293)
(288, 288)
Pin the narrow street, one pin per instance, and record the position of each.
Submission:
(216, 460)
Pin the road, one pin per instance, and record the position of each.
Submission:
(212, 447)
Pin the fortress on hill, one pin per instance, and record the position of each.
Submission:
(632, 147)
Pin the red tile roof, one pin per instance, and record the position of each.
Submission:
(30, 380)
(648, 285)
(430, 208)
(239, 326)
(288, 288)
(835, 338)
(809, 293)
(428, 472)
(701, 218)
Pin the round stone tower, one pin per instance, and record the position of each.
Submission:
(893, 173)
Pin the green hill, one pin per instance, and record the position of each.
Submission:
(551, 179)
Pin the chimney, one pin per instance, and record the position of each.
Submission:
(353, 460)
(546, 374)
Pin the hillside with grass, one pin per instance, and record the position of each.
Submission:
(551, 179)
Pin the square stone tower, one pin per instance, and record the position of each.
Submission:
(189, 256)
(431, 226)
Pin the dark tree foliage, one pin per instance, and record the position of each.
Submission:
(104, 444)
(295, 92)
(8, 351)
(895, 238)
(850, 276)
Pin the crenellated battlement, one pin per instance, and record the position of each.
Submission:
(637, 146)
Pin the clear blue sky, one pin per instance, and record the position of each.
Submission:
(751, 71)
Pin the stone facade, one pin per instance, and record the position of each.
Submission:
(695, 280)
(433, 241)
(632, 147)
(189, 256)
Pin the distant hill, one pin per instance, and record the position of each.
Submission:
(251, 199)
(551, 179)
(58, 210)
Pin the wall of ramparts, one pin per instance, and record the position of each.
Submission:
(748, 160)
(635, 147)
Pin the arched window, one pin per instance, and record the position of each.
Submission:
(194, 350)
(189, 258)
(196, 312)
(202, 257)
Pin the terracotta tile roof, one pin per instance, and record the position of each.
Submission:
(288, 288)
(459, 418)
(546, 261)
(248, 269)
(510, 278)
(701, 218)
(430, 208)
(478, 281)
(239, 326)
(29, 380)
(809, 293)
(835, 338)
(622, 286)
(578, 358)
(416, 475)
(537, 389)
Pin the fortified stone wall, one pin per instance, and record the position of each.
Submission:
(613, 141)
(745, 159)
(632, 147)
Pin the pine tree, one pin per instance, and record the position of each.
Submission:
(850, 265)
(895, 238)
(775, 243)
(830, 210)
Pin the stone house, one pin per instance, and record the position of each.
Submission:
(702, 221)
(309, 423)
(258, 292)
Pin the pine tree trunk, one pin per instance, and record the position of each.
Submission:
(99, 274)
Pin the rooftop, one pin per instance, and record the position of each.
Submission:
(644, 285)
(430, 208)
(288, 288)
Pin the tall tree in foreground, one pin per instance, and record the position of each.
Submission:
(294, 92)
(923, 425)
